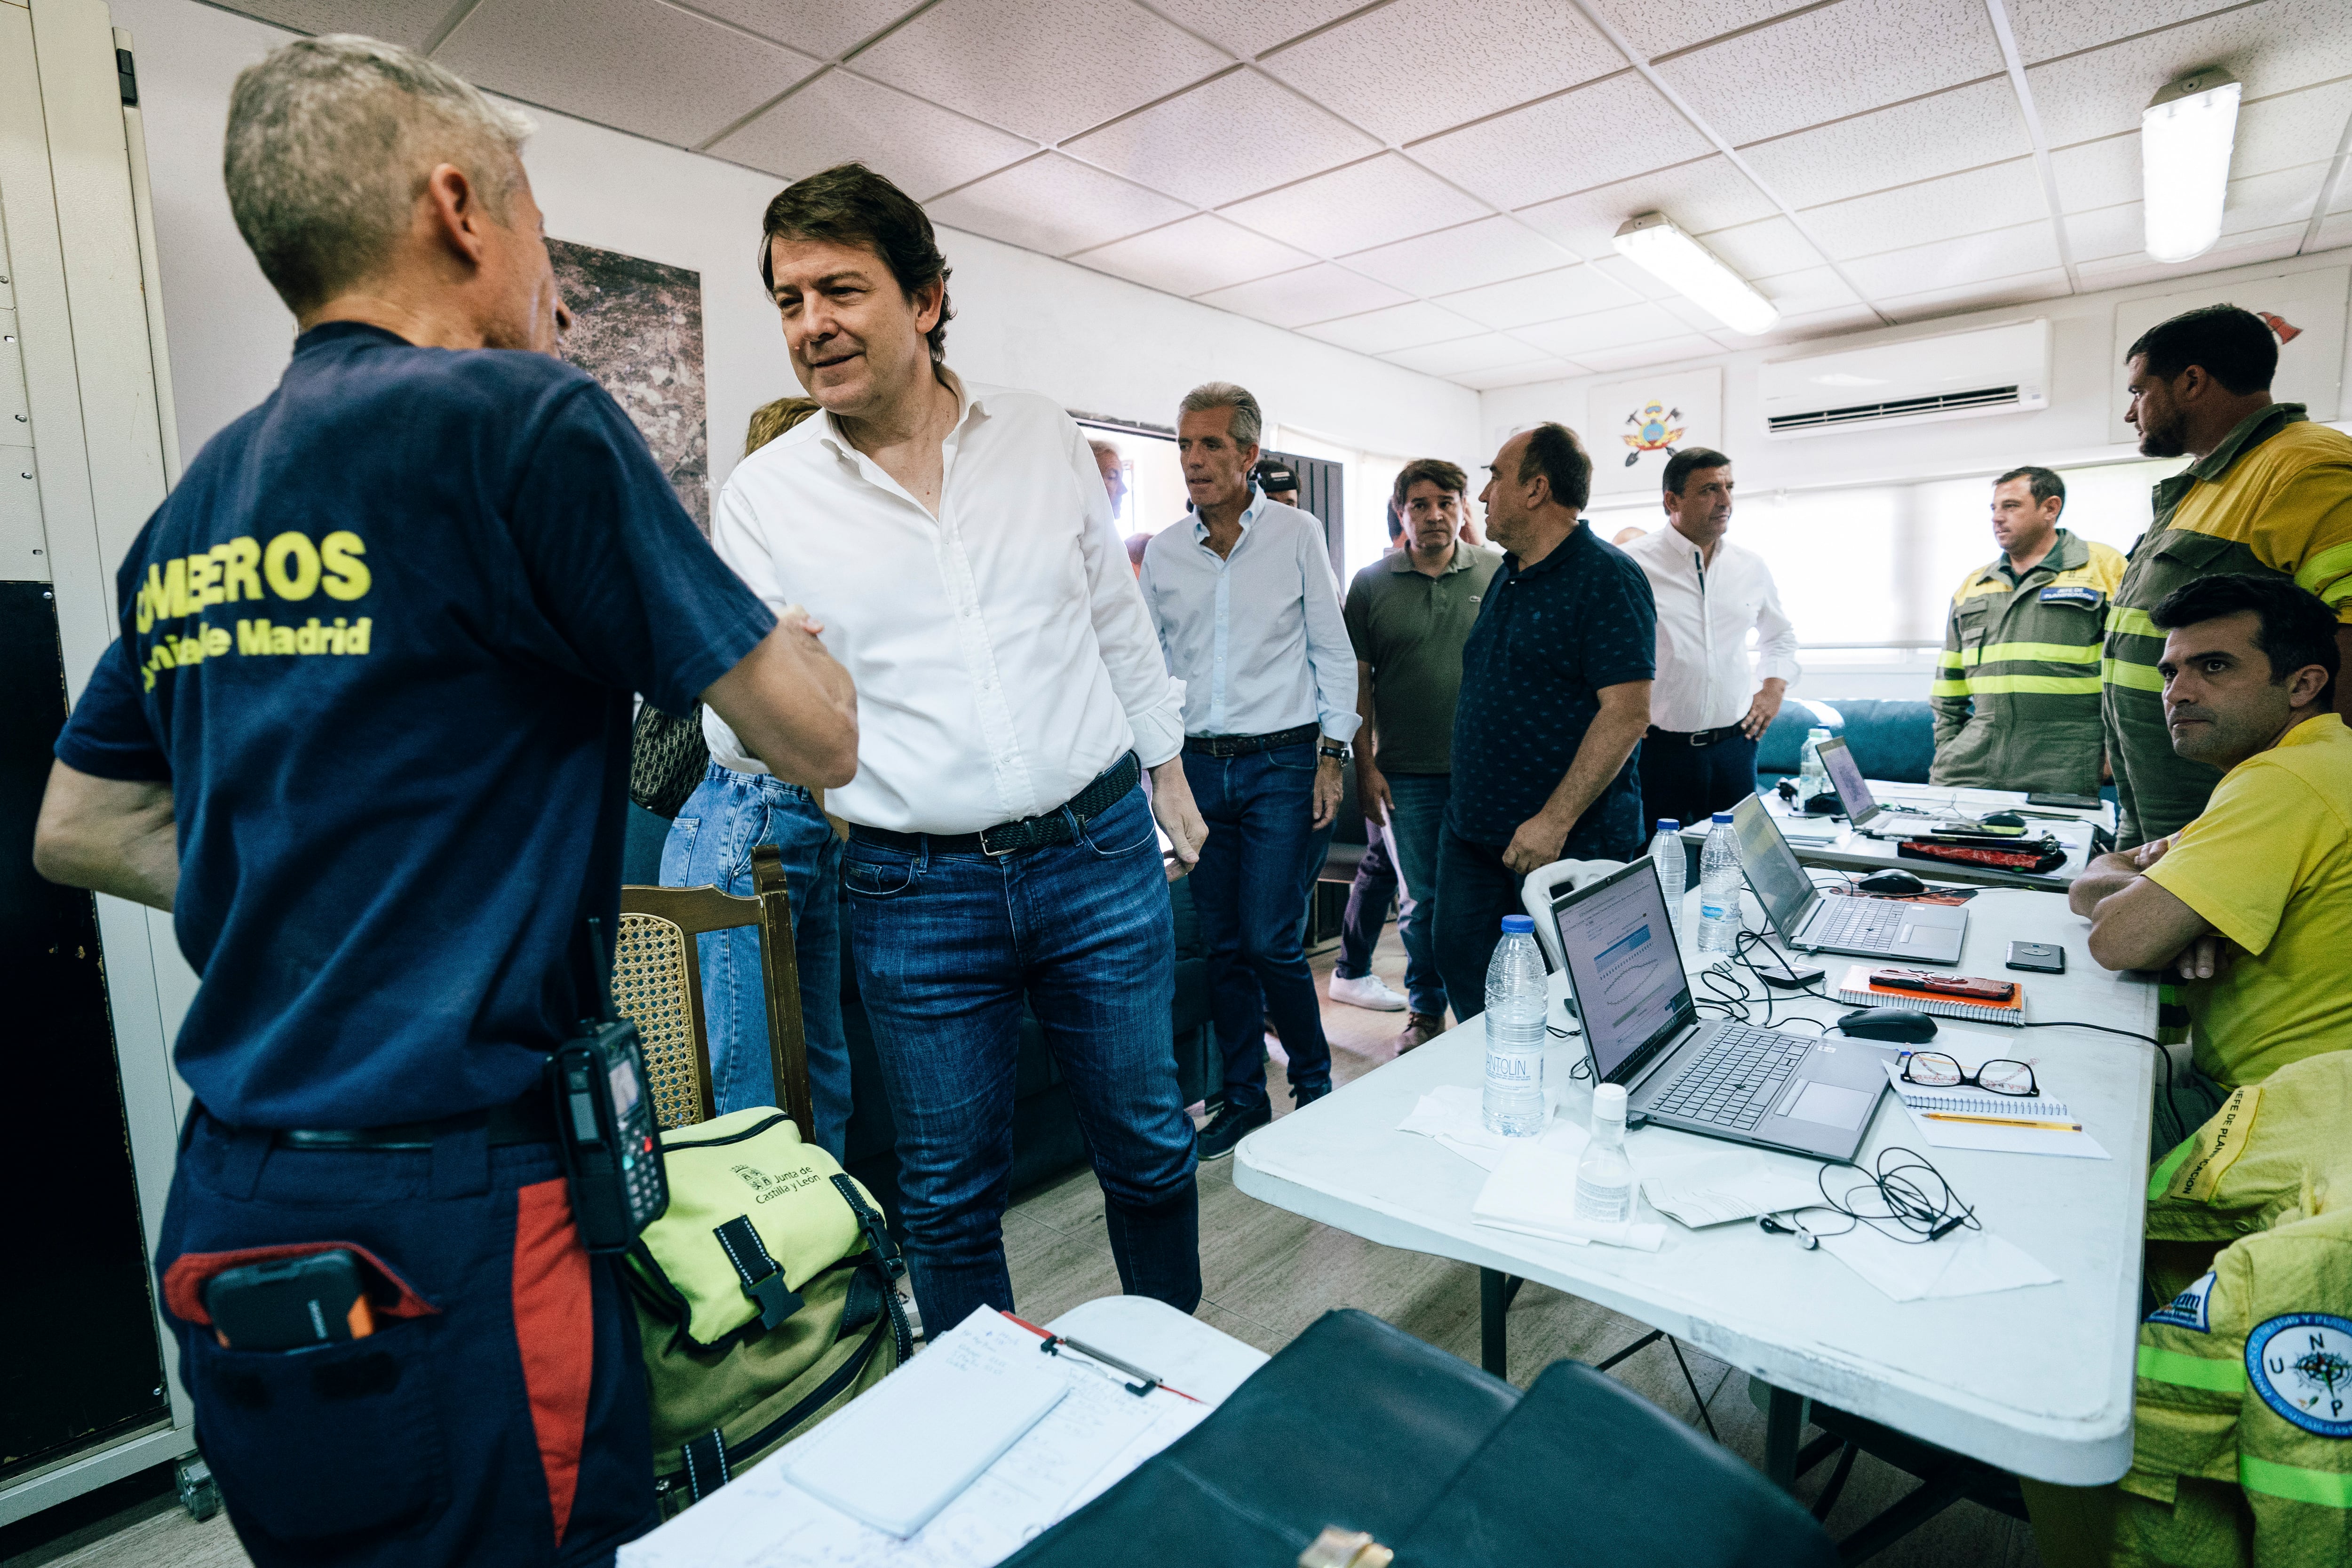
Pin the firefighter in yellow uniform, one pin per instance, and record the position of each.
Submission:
(2269, 492)
(2017, 691)
(2241, 1430)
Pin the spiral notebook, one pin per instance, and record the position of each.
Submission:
(1858, 988)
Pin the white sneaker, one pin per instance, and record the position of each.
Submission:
(1367, 991)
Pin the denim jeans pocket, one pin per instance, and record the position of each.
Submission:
(886, 877)
(327, 1442)
(677, 852)
(1122, 830)
(1297, 759)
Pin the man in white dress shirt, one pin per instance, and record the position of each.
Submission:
(1705, 709)
(1249, 615)
(955, 548)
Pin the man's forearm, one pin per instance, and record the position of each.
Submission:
(2108, 875)
(109, 836)
(1610, 740)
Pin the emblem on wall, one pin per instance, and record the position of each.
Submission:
(1655, 429)
(1648, 418)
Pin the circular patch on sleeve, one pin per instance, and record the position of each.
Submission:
(2300, 1363)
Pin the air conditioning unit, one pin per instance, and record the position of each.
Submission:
(1989, 370)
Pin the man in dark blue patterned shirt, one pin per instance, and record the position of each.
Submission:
(1554, 697)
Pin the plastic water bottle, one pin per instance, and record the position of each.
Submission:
(1604, 1176)
(1812, 778)
(1666, 854)
(1720, 881)
(1516, 1001)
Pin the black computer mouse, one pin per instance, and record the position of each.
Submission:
(2002, 819)
(1892, 882)
(1889, 1024)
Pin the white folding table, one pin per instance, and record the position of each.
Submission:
(1847, 848)
(2036, 1380)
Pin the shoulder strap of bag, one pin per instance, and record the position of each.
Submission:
(882, 1266)
(763, 1279)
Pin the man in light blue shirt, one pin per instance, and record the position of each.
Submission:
(1248, 614)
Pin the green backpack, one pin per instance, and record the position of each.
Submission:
(764, 1297)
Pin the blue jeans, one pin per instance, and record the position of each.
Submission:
(1416, 817)
(948, 946)
(1475, 890)
(1369, 894)
(729, 816)
(1250, 889)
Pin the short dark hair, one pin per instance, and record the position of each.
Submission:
(2046, 484)
(1445, 476)
(1554, 452)
(1690, 461)
(1396, 522)
(849, 204)
(2232, 344)
(2294, 626)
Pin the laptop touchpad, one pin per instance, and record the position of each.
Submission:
(1832, 1105)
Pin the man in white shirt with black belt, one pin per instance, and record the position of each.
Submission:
(1707, 710)
(1248, 612)
(956, 551)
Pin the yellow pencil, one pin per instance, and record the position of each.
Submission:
(2001, 1122)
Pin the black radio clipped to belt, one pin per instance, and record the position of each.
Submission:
(605, 1121)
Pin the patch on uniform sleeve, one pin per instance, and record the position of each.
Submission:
(2091, 597)
(2300, 1363)
(2189, 1309)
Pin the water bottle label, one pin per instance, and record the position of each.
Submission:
(1511, 1071)
(1604, 1206)
(1714, 912)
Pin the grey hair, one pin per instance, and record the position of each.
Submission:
(1248, 424)
(1104, 450)
(330, 141)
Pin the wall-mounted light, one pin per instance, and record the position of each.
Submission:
(1654, 244)
(2185, 139)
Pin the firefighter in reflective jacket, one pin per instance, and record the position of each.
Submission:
(2017, 691)
(2241, 1451)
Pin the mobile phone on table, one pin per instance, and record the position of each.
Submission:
(291, 1303)
(2072, 801)
(2039, 957)
(1962, 986)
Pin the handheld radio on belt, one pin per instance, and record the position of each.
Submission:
(605, 1121)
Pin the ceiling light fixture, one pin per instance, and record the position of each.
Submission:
(1654, 244)
(2185, 139)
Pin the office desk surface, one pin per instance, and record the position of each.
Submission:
(2037, 1379)
(1849, 850)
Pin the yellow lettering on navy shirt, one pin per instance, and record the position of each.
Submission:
(233, 572)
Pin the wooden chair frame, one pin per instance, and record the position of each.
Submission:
(697, 911)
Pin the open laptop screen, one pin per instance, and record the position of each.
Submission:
(1630, 991)
(1846, 777)
(1780, 883)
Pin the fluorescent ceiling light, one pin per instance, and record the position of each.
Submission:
(1654, 244)
(2185, 139)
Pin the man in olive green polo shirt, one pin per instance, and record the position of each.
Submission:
(1409, 613)
(2270, 493)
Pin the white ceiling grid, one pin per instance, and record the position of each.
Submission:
(1436, 182)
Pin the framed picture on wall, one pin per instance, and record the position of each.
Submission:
(2305, 311)
(1639, 423)
(637, 327)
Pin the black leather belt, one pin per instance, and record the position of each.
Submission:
(1695, 737)
(1245, 745)
(1059, 825)
(531, 1119)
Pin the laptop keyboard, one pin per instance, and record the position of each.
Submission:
(1869, 923)
(1737, 1080)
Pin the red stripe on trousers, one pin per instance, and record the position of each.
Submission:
(554, 1318)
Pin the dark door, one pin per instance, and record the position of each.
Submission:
(1319, 491)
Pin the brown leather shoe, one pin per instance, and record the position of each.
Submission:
(1419, 1030)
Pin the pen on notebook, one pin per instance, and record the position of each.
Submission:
(2001, 1121)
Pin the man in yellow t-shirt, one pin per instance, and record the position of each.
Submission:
(2251, 903)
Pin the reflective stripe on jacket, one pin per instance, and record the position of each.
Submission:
(2017, 690)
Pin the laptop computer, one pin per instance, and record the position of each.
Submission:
(1845, 778)
(1800, 1093)
(1867, 928)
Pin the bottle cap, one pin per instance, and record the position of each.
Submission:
(1608, 1102)
(1668, 824)
(1721, 817)
(1519, 925)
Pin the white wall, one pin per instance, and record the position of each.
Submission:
(1092, 342)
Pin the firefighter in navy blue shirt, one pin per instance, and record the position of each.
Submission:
(364, 735)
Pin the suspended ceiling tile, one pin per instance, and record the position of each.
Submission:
(1657, 351)
(1544, 297)
(1760, 249)
(1980, 199)
(2238, 251)
(636, 65)
(829, 30)
(2107, 232)
(2045, 28)
(1416, 67)
(1043, 68)
(1487, 353)
(1371, 202)
(1636, 281)
(2291, 129)
(1486, 252)
(1223, 140)
(1607, 131)
(2092, 174)
(408, 23)
(1808, 291)
(2048, 284)
(1703, 194)
(1055, 204)
(1527, 374)
(1952, 130)
(2264, 201)
(2336, 231)
(1193, 255)
(1953, 263)
(1661, 27)
(2274, 47)
(838, 118)
(1579, 336)
(1253, 26)
(1316, 293)
(1399, 327)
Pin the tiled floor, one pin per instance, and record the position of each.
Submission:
(1268, 1273)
